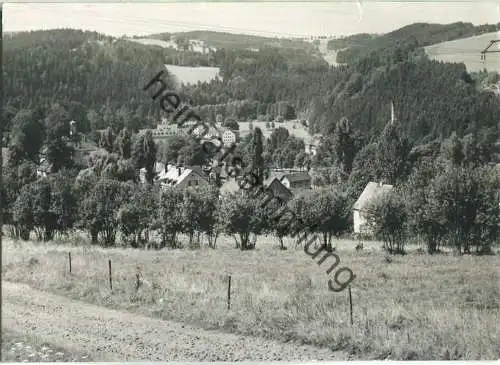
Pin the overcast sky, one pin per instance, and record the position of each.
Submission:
(274, 19)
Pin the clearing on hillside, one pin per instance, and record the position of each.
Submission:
(468, 51)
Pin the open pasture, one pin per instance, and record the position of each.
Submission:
(468, 51)
(407, 307)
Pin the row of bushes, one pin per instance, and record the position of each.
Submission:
(458, 207)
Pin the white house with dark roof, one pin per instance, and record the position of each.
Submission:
(360, 208)
(181, 177)
(273, 184)
(165, 129)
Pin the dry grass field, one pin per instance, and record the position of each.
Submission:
(468, 51)
(18, 347)
(416, 307)
(193, 75)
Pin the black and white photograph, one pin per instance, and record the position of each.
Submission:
(250, 181)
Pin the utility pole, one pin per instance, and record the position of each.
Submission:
(487, 49)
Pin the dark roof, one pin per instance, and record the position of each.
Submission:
(273, 175)
(198, 170)
(297, 176)
(279, 189)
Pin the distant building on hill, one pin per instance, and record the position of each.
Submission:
(165, 129)
(5, 156)
(229, 137)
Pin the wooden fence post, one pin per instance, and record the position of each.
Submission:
(350, 304)
(229, 293)
(69, 257)
(110, 278)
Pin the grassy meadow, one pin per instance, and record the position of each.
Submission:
(413, 307)
(299, 131)
(17, 347)
(193, 75)
(468, 51)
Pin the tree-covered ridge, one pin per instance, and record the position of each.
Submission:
(84, 69)
(350, 40)
(221, 40)
(98, 81)
(431, 98)
(64, 38)
(422, 34)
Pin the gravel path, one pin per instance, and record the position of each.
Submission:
(113, 335)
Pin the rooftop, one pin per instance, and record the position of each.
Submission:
(372, 190)
(297, 176)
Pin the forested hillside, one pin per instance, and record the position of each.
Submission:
(234, 41)
(444, 131)
(97, 76)
(85, 72)
(431, 98)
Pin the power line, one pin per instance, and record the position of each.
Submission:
(487, 49)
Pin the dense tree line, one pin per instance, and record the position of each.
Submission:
(448, 197)
(231, 40)
(436, 153)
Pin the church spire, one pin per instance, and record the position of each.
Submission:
(393, 118)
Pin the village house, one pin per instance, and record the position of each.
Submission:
(296, 180)
(182, 177)
(311, 145)
(278, 189)
(360, 208)
(211, 133)
(229, 137)
(273, 183)
(164, 130)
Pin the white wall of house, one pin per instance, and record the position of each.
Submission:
(360, 222)
(192, 180)
(286, 182)
(228, 137)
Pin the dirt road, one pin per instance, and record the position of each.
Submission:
(112, 335)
